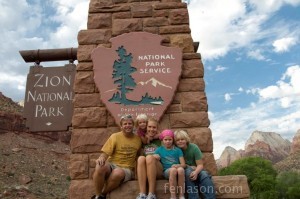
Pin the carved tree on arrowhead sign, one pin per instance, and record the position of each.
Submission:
(122, 70)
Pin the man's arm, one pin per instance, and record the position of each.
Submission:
(102, 159)
(199, 166)
(197, 170)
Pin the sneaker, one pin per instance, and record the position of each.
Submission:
(141, 196)
(99, 197)
(151, 196)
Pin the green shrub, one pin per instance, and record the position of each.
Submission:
(288, 185)
(260, 174)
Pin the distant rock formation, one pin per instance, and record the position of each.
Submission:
(296, 143)
(228, 156)
(21, 103)
(10, 115)
(291, 163)
(268, 145)
(11, 122)
(7, 105)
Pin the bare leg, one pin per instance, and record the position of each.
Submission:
(173, 181)
(141, 173)
(101, 172)
(181, 178)
(154, 169)
(114, 180)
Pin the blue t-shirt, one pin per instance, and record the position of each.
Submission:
(168, 157)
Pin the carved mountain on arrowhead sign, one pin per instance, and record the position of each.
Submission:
(154, 82)
(137, 74)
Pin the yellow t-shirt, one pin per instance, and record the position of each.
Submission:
(122, 150)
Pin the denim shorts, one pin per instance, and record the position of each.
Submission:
(167, 173)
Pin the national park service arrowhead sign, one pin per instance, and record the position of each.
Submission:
(137, 74)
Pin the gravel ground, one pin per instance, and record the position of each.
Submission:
(33, 168)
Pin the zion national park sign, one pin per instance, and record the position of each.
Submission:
(49, 98)
(137, 74)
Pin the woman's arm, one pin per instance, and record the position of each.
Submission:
(156, 156)
(144, 139)
(156, 136)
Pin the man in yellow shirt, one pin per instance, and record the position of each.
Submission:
(117, 159)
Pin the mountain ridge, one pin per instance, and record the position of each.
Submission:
(9, 106)
(268, 145)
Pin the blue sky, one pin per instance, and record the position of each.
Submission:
(250, 50)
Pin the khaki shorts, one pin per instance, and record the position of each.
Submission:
(128, 172)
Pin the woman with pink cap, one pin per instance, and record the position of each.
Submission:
(173, 163)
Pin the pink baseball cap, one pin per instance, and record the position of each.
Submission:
(165, 133)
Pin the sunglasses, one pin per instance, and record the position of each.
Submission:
(126, 117)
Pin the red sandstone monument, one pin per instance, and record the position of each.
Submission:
(96, 113)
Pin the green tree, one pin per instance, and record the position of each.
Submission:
(288, 184)
(260, 174)
(122, 71)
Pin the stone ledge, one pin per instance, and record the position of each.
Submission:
(233, 186)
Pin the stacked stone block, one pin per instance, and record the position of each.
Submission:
(93, 124)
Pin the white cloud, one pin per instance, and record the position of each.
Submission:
(29, 26)
(72, 16)
(220, 68)
(9, 83)
(284, 44)
(215, 41)
(227, 97)
(266, 6)
(272, 5)
(286, 90)
(12, 16)
(252, 91)
(252, 105)
(270, 92)
(240, 26)
(293, 74)
(240, 89)
(285, 102)
(256, 54)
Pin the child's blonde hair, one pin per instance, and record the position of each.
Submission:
(153, 120)
(181, 134)
(141, 116)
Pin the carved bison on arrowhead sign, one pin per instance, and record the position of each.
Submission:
(137, 74)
